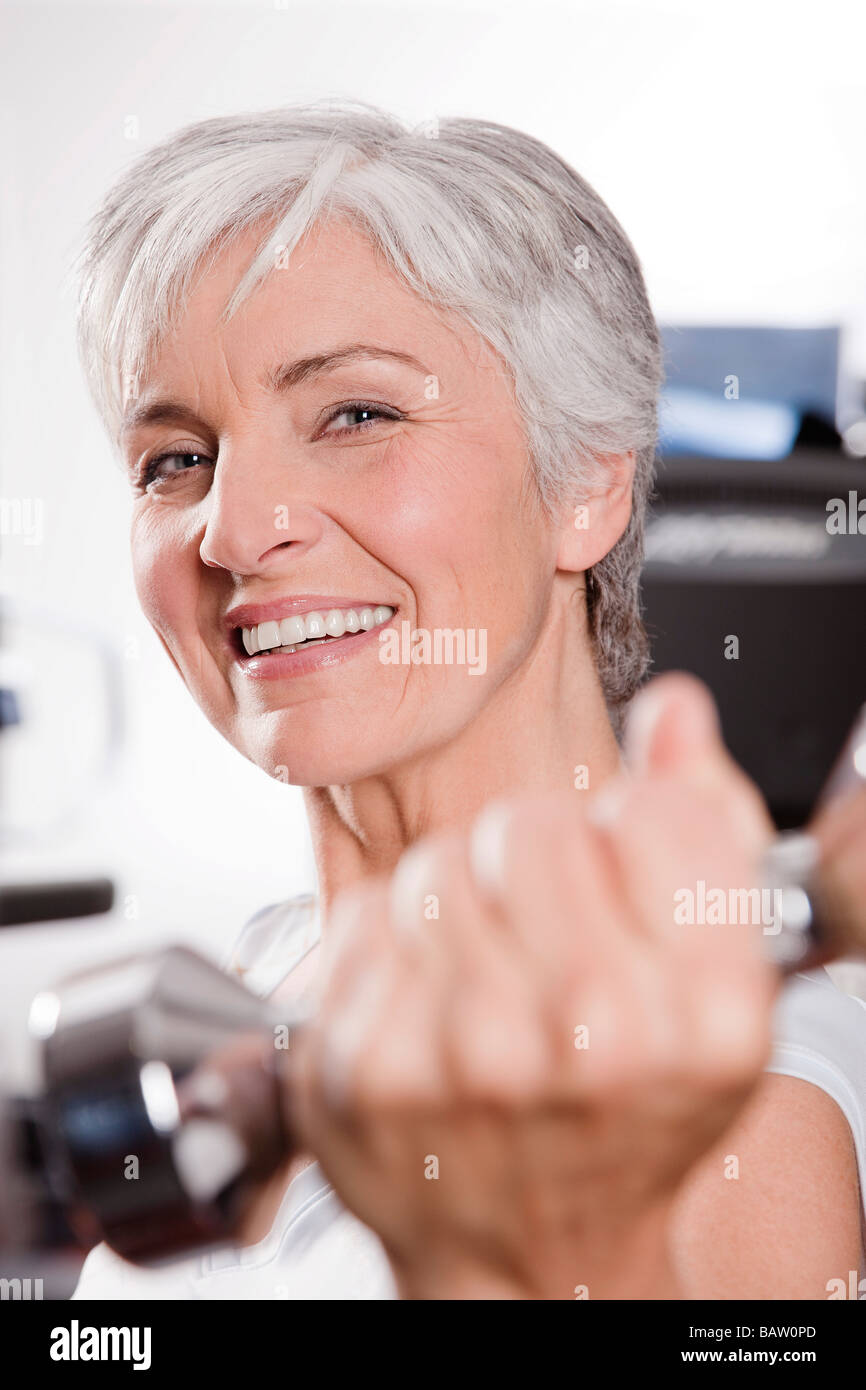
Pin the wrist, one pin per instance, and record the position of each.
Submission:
(458, 1280)
(634, 1263)
(628, 1263)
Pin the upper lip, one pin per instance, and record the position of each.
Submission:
(250, 614)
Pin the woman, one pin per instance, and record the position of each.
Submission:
(387, 400)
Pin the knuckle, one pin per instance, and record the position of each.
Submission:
(498, 1060)
(731, 1035)
(512, 838)
(357, 909)
(434, 865)
(634, 1033)
(610, 1059)
(385, 1088)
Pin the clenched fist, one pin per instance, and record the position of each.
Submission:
(522, 1043)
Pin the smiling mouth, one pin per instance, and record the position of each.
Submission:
(303, 630)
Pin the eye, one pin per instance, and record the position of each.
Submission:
(171, 463)
(368, 411)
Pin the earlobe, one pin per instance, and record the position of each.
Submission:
(593, 526)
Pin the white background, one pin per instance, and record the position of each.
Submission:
(728, 138)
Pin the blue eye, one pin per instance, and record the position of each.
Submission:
(155, 470)
(369, 409)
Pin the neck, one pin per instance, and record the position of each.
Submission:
(546, 719)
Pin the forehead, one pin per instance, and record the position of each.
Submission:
(334, 287)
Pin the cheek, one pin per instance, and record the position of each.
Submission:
(164, 574)
(458, 531)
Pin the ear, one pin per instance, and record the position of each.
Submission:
(591, 529)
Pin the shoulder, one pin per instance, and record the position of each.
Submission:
(819, 1036)
(774, 1210)
(105, 1275)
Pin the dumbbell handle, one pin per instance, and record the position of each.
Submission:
(808, 928)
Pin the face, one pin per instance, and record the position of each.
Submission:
(278, 474)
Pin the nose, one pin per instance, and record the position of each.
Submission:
(256, 512)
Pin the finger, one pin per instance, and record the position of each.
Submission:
(493, 1043)
(355, 929)
(672, 724)
(431, 891)
(559, 897)
(374, 1041)
(682, 871)
(674, 729)
(694, 892)
(448, 927)
(841, 834)
(839, 821)
(542, 868)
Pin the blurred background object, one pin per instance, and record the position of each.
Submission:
(61, 715)
(755, 575)
(753, 392)
(61, 727)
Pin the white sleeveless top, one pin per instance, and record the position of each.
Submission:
(316, 1249)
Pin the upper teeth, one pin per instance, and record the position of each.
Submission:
(306, 627)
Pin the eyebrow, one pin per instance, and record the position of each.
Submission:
(283, 378)
(292, 373)
(161, 412)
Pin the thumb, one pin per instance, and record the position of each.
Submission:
(673, 729)
(673, 726)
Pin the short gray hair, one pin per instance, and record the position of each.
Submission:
(477, 218)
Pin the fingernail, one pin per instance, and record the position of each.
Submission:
(605, 805)
(644, 713)
(487, 843)
(410, 884)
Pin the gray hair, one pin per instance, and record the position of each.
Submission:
(477, 218)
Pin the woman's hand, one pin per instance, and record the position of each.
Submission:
(522, 1047)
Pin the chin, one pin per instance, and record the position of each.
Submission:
(335, 770)
(302, 760)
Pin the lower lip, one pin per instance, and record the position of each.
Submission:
(284, 665)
